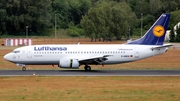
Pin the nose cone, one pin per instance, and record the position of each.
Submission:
(7, 57)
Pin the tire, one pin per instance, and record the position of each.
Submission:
(88, 68)
(24, 69)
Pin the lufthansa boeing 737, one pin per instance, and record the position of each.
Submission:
(72, 56)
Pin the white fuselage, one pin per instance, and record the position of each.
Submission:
(51, 54)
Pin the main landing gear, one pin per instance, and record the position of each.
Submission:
(23, 68)
(87, 68)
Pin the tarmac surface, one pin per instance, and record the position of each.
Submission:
(90, 73)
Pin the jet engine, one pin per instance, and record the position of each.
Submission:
(69, 63)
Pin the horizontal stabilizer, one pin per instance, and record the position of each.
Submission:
(158, 47)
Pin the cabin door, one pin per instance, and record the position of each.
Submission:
(29, 53)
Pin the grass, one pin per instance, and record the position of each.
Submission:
(90, 88)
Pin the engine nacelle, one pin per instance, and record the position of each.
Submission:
(69, 63)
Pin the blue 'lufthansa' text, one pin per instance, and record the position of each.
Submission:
(47, 48)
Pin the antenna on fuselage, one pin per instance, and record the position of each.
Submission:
(78, 43)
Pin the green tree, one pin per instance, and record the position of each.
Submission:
(22, 13)
(2, 21)
(61, 12)
(177, 33)
(74, 31)
(100, 21)
(155, 7)
(175, 18)
(169, 5)
(108, 19)
(3, 15)
(78, 8)
(123, 19)
(141, 6)
(172, 35)
(68, 11)
(88, 26)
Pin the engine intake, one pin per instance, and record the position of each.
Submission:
(69, 63)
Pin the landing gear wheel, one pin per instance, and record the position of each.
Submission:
(87, 68)
(24, 69)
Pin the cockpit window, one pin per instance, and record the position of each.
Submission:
(16, 51)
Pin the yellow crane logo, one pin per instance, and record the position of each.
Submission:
(158, 31)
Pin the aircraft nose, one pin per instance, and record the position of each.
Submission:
(7, 57)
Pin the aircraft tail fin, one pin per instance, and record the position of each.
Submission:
(156, 34)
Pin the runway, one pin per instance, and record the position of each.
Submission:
(90, 73)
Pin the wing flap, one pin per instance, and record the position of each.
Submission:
(96, 59)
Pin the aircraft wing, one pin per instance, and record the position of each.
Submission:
(158, 47)
(94, 59)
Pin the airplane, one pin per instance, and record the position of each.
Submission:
(73, 56)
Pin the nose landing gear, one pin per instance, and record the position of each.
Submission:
(23, 68)
(22, 65)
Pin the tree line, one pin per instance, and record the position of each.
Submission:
(39, 15)
(96, 19)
